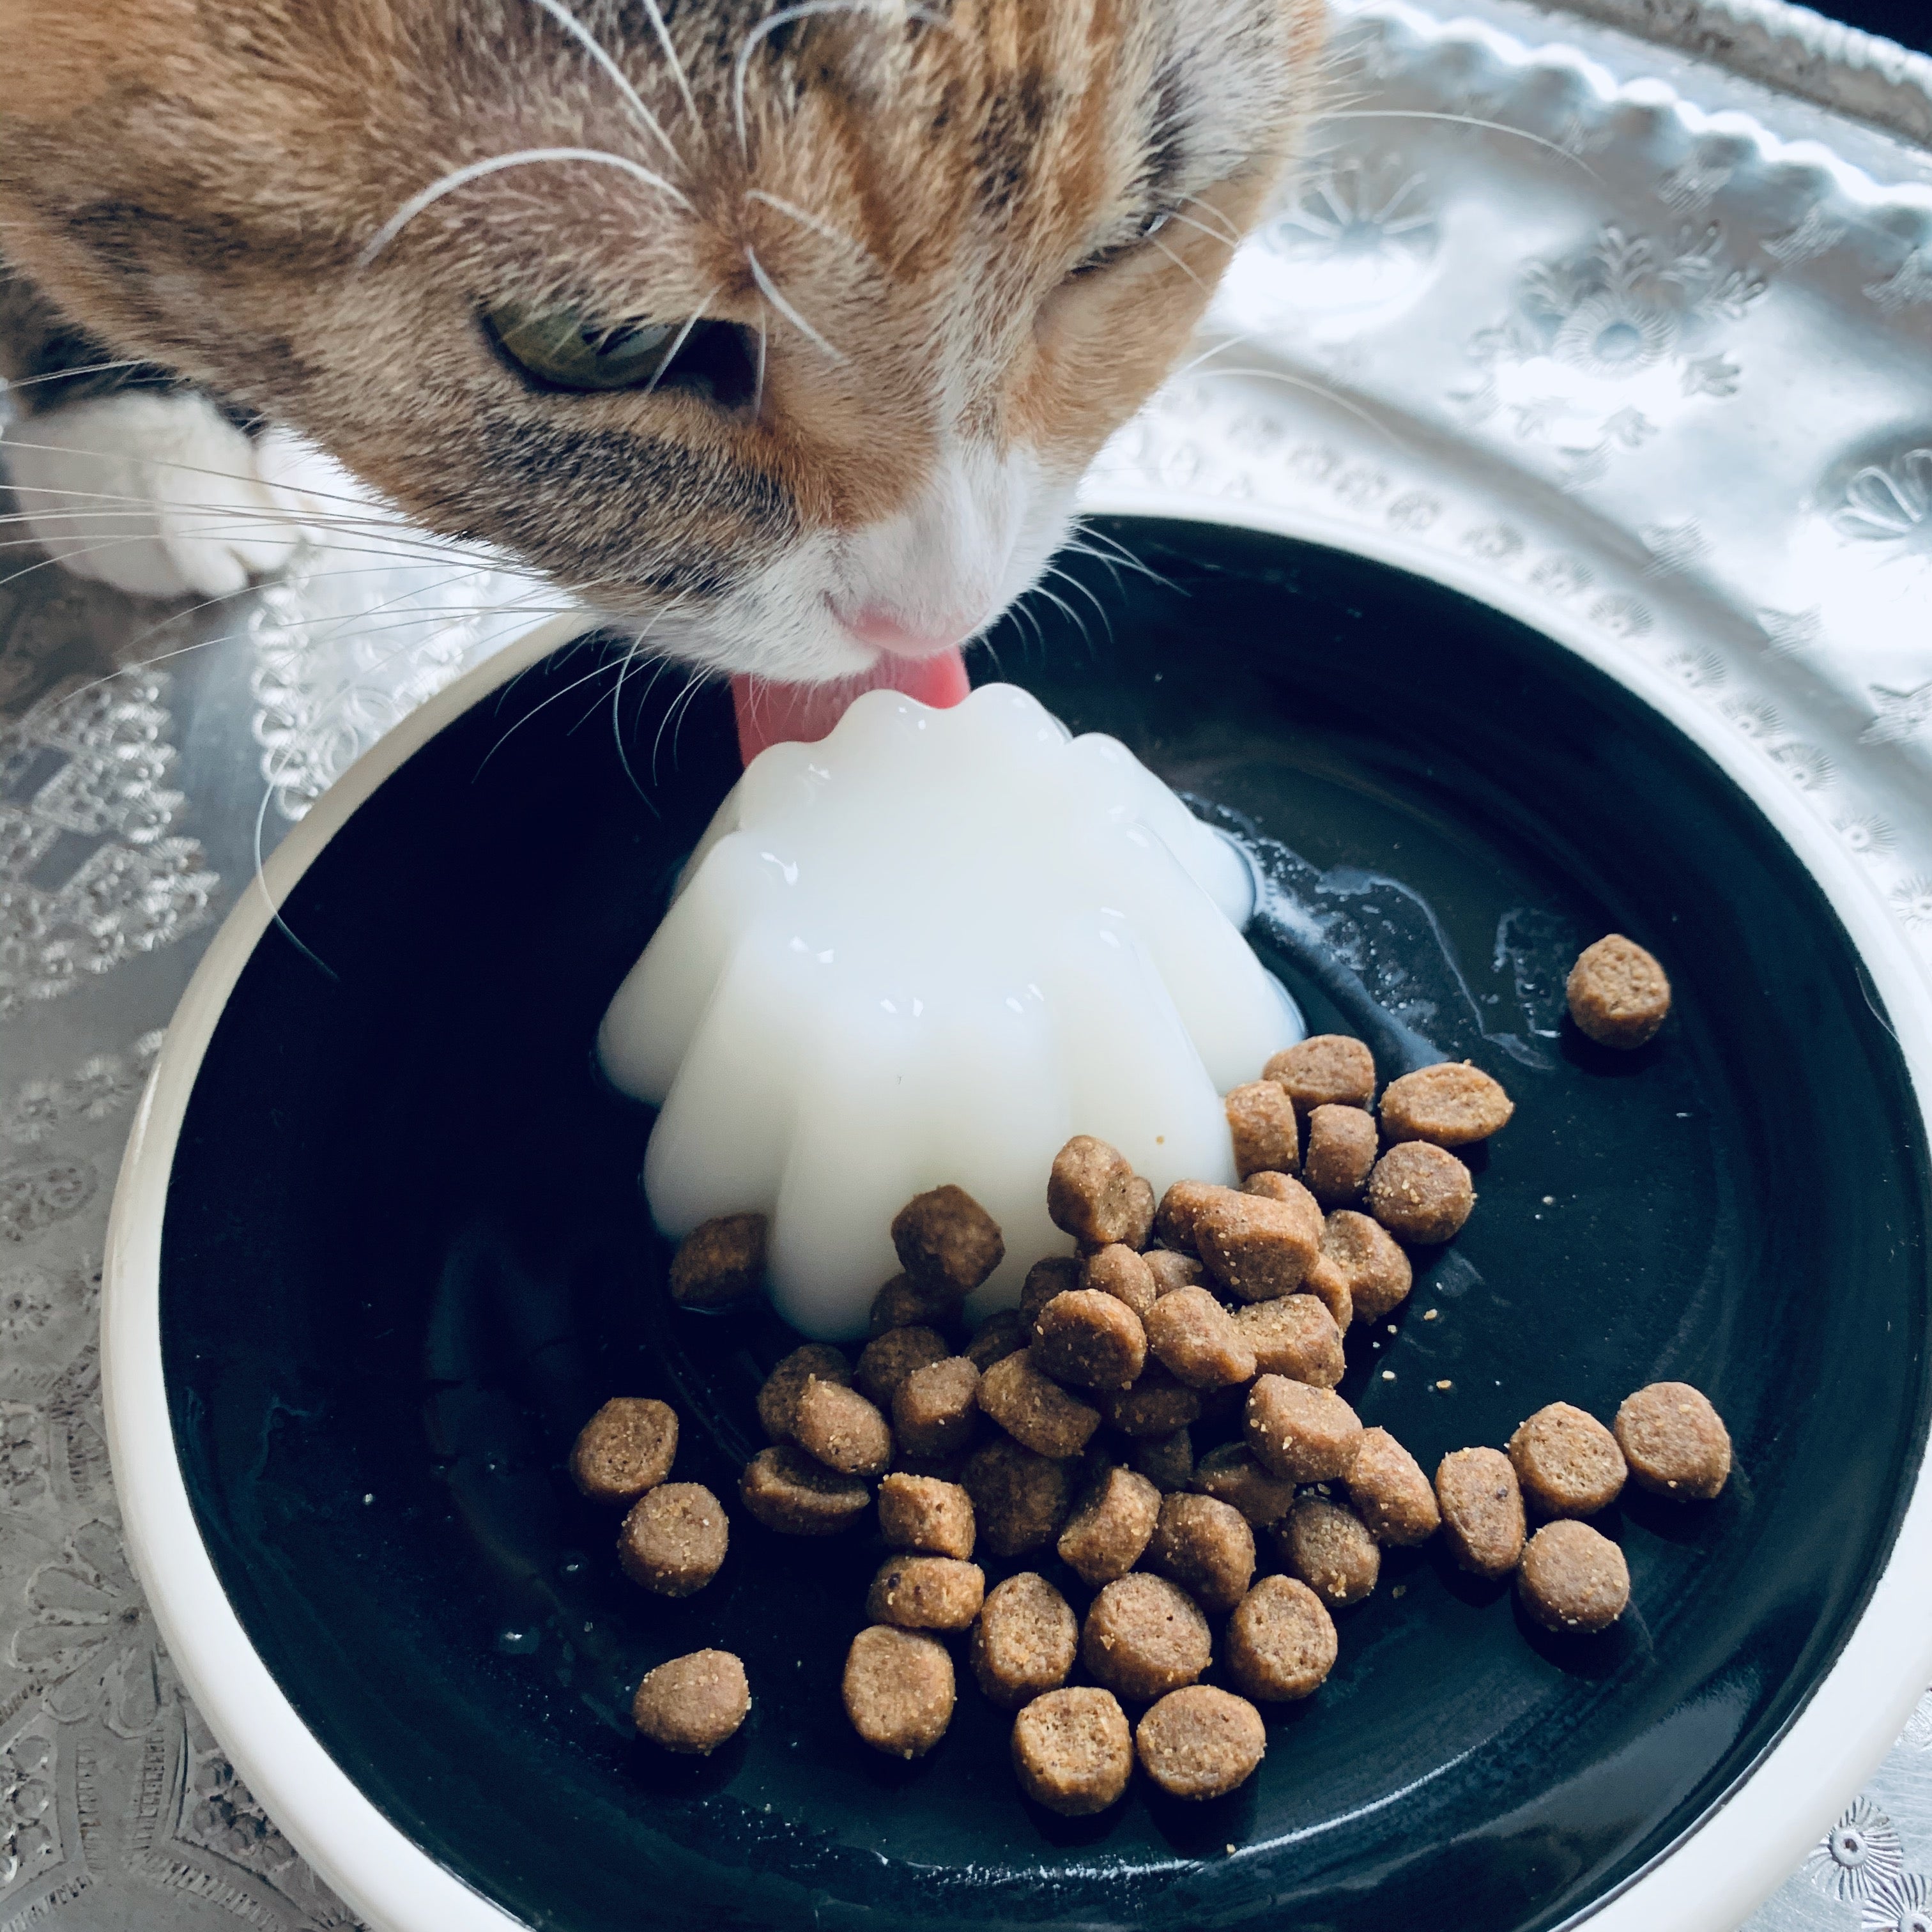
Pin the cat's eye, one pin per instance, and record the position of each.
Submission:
(564, 349)
(1149, 226)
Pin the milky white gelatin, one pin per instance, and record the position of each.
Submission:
(931, 948)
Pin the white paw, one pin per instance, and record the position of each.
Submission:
(158, 495)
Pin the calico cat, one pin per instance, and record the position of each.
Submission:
(781, 334)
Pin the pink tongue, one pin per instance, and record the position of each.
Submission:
(777, 714)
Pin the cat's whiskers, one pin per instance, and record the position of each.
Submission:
(806, 219)
(769, 290)
(1226, 230)
(67, 375)
(582, 34)
(1161, 247)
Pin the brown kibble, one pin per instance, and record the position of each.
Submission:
(1090, 1339)
(1181, 1206)
(719, 1262)
(1196, 1340)
(1093, 1194)
(1129, 1277)
(1105, 1536)
(1675, 1443)
(1329, 1285)
(888, 1359)
(922, 1513)
(673, 1539)
(624, 1449)
(1305, 1434)
(1230, 1474)
(926, 1593)
(1033, 1409)
(1156, 1405)
(946, 1469)
(1258, 1246)
(1019, 1499)
(1567, 1462)
(1482, 1510)
(1205, 1546)
(1390, 1492)
(1420, 1193)
(936, 1409)
(1166, 1461)
(692, 1704)
(1261, 1118)
(841, 1429)
(1005, 1334)
(904, 1303)
(1200, 1742)
(1172, 1270)
(778, 1400)
(1452, 1104)
(1573, 1578)
(1072, 1751)
(1341, 1144)
(1326, 1069)
(1328, 1546)
(1619, 994)
(1025, 1640)
(1281, 1640)
(1145, 1636)
(1058, 1274)
(1295, 1335)
(899, 1691)
(788, 1492)
(945, 1238)
(1375, 1272)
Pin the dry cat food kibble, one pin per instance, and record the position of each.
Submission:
(1231, 1475)
(898, 1691)
(1145, 1636)
(1090, 1339)
(1329, 1547)
(936, 1410)
(1261, 1120)
(1281, 1641)
(1481, 1503)
(1196, 1341)
(1390, 1492)
(1325, 1069)
(1156, 1405)
(1258, 1246)
(1093, 1194)
(1181, 1206)
(1295, 1335)
(1105, 1537)
(945, 1238)
(692, 1704)
(926, 1593)
(888, 1359)
(1307, 1435)
(1375, 1273)
(626, 1448)
(904, 1303)
(1166, 1461)
(1129, 1277)
(1072, 1751)
(999, 1336)
(787, 1491)
(1567, 1462)
(1421, 1192)
(1454, 1104)
(838, 1426)
(1019, 1499)
(1025, 1640)
(1033, 1409)
(1674, 1442)
(674, 1539)
(1619, 994)
(1572, 1578)
(1206, 1547)
(1171, 1270)
(778, 1400)
(921, 1513)
(1341, 1146)
(1200, 1742)
(719, 1262)
(1326, 1282)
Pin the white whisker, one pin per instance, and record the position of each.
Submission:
(582, 34)
(806, 219)
(769, 290)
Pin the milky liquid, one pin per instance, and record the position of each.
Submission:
(931, 948)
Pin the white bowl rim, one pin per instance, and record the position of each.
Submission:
(1708, 1881)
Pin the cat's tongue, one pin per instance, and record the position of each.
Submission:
(777, 714)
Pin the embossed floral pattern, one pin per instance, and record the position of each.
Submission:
(27, 1841)
(1889, 502)
(223, 1816)
(1860, 1853)
(92, 1640)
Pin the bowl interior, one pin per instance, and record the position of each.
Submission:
(405, 1256)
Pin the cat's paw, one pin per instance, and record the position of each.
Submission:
(156, 493)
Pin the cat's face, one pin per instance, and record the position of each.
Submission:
(783, 352)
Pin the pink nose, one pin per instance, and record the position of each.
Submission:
(885, 630)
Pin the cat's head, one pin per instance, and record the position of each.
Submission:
(781, 335)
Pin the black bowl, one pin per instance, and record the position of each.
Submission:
(404, 1256)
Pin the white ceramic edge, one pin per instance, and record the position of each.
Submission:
(1709, 1882)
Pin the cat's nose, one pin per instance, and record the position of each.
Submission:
(886, 630)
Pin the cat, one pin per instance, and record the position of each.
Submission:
(778, 336)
